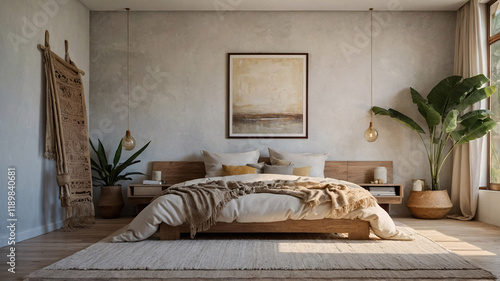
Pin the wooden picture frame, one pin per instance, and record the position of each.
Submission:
(267, 95)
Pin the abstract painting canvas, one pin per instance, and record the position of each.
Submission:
(267, 95)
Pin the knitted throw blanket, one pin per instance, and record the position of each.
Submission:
(203, 202)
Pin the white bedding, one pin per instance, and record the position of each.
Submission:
(262, 207)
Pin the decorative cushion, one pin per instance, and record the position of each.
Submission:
(213, 161)
(280, 162)
(282, 170)
(315, 160)
(258, 166)
(302, 171)
(237, 170)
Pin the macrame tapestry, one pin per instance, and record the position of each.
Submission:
(66, 137)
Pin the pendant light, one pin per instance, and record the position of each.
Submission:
(128, 142)
(371, 134)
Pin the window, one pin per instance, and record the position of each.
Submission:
(494, 62)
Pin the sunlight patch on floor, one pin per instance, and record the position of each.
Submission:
(455, 244)
(438, 236)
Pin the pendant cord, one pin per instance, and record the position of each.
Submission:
(371, 64)
(128, 67)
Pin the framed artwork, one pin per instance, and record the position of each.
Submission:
(267, 95)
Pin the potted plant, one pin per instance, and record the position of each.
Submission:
(110, 203)
(448, 126)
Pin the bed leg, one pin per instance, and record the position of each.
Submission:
(360, 232)
(168, 232)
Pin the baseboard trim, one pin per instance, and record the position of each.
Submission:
(30, 233)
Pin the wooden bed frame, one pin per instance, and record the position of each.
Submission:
(354, 171)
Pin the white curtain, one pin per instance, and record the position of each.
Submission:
(468, 158)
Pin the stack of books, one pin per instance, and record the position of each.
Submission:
(383, 190)
(151, 182)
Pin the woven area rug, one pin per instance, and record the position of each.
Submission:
(264, 256)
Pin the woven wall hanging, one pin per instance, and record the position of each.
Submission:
(67, 137)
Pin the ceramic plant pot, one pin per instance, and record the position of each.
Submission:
(429, 204)
(110, 202)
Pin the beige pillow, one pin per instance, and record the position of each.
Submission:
(213, 161)
(278, 169)
(238, 170)
(299, 171)
(315, 160)
(279, 162)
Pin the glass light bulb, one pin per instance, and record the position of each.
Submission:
(128, 142)
(371, 134)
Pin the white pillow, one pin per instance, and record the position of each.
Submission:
(315, 160)
(213, 161)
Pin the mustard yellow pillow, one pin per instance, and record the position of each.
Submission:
(237, 170)
(302, 171)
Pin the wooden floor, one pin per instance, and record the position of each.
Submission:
(476, 241)
(41, 251)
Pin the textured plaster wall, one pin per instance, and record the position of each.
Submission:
(178, 81)
(22, 106)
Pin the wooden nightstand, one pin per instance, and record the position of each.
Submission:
(144, 197)
(385, 201)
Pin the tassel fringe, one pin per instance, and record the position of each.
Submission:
(80, 215)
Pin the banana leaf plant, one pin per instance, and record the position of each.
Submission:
(109, 174)
(444, 112)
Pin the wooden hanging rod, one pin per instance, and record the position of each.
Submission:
(58, 58)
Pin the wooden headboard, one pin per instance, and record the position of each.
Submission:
(354, 171)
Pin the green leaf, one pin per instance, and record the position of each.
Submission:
(109, 168)
(92, 145)
(467, 120)
(122, 178)
(118, 154)
(109, 174)
(467, 86)
(475, 96)
(95, 164)
(479, 113)
(416, 97)
(101, 155)
(479, 131)
(97, 179)
(130, 160)
(456, 135)
(439, 95)
(450, 122)
(380, 111)
(432, 117)
(398, 116)
(406, 120)
(135, 173)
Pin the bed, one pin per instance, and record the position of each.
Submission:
(357, 224)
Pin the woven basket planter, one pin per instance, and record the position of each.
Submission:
(110, 202)
(429, 204)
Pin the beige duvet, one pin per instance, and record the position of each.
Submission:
(262, 207)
